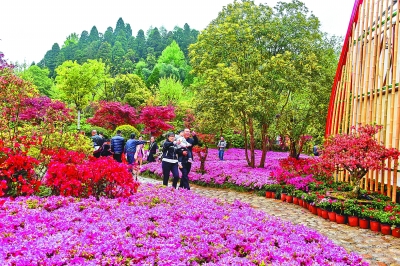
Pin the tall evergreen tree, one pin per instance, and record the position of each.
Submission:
(141, 46)
(119, 27)
(94, 34)
(154, 41)
(109, 36)
(105, 52)
(84, 39)
(128, 30)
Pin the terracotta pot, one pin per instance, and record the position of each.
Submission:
(396, 232)
(375, 226)
(363, 223)
(301, 202)
(353, 220)
(273, 195)
(324, 214)
(295, 200)
(289, 199)
(268, 194)
(283, 197)
(385, 229)
(332, 216)
(313, 209)
(319, 212)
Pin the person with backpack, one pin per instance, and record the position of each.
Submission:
(221, 148)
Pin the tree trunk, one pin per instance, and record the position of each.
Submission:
(252, 143)
(245, 142)
(78, 126)
(264, 139)
(292, 152)
(356, 190)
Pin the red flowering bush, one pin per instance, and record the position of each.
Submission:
(156, 119)
(17, 175)
(202, 152)
(72, 174)
(357, 152)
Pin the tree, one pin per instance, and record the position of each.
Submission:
(110, 115)
(40, 78)
(172, 55)
(156, 119)
(141, 46)
(170, 91)
(154, 41)
(94, 34)
(253, 61)
(79, 82)
(357, 152)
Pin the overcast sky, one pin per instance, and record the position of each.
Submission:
(29, 28)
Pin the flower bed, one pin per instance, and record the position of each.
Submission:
(162, 226)
(233, 169)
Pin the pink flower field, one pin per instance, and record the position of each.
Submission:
(156, 226)
(233, 169)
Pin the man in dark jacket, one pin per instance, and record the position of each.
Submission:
(117, 146)
(130, 148)
(186, 165)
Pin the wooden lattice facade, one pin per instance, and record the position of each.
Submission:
(365, 89)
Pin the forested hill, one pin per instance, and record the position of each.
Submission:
(118, 47)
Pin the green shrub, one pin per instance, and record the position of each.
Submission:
(126, 131)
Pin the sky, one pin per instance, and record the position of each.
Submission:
(29, 28)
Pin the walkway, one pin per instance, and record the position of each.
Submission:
(376, 248)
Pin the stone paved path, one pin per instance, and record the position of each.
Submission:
(376, 248)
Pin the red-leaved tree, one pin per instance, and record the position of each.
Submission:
(202, 152)
(358, 152)
(156, 119)
(110, 115)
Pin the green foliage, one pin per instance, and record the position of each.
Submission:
(172, 55)
(352, 208)
(170, 91)
(40, 78)
(126, 131)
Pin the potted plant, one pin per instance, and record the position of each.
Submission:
(325, 206)
(269, 189)
(364, 217)
(353, 211)
(338, 208)
(297, 197)
(289, 193)
(395, 224)
(384, 218)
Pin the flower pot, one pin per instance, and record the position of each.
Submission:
(332, 216)
(353, 220)
(363, 223)
(396, 232)
(319, 212)
(340, 219)
(313, 209)
(289, 199)
(283, 197)
(306, 205)
(375, 226)
(301, 202)
(385, 229)
(324, 214)
(295, 200)
(273, 195)
(268, 194)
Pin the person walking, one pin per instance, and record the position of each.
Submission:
(153, 149)
(131, 147)
(139, 153)
(186, 164)
(170, 160)
(106, 148)
(221, 148)
(117, 146)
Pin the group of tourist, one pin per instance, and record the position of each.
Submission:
(177, 154)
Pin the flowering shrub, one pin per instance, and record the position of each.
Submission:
(71, 174)
(17, 175)
(358, 152)
(156, 227)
